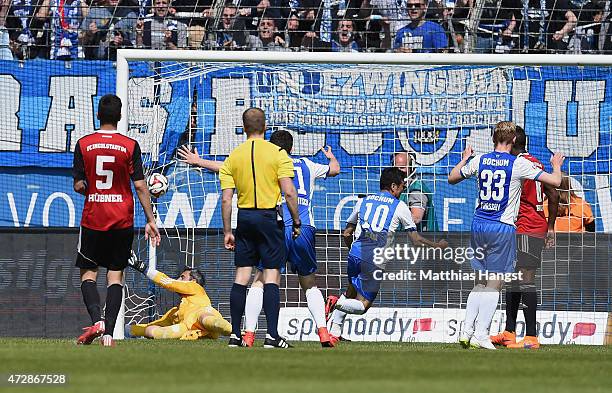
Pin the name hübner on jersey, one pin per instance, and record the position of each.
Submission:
(445, 275)
(105, 198)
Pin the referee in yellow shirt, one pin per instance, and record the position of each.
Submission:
(258, 170)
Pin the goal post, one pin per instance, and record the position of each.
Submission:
(368, 107)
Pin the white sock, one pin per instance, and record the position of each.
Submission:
(488, 304)
(316, 305)
(471, 310)
(252, 308)
(337, 321)
(350, 306)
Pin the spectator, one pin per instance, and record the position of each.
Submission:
(64, 17)
(117, 39)
(588, 26)
(5, 50)
(395, 11)
(574, 213)
(496, 26)
(161, 30)
(108, 15)
(376, 28)
(230, 32)
(255, 10)
(345, 40)
(266, 38)
(547, 25)
(27, 33)
(420, 36)
(312, 40)
(293, 33)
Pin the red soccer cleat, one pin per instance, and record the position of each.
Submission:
(325, 338)
(330, 304)
(107, 341)
(504, 338)
(91, 333)
(248, 338)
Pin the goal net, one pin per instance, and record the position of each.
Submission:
(368, 111)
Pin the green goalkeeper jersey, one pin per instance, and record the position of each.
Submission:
(419, 195)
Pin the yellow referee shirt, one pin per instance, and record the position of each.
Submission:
(253, 169)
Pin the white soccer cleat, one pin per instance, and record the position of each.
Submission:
(464, 338)
(484, 343)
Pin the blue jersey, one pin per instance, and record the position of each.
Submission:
(65, 23)
(428, 37)
(500, 177)
(377, 217)
(306, 172)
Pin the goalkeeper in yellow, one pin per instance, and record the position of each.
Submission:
(192, 319)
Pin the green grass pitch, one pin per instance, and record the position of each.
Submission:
(135, 366)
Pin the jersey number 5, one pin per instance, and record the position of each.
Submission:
(492, 184)
(107, 174)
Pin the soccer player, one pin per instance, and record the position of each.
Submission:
(533, 234)
(104, 164)
(301, 252)
(192, 319)
(378, 216)
(258, 170)
(500, 175)
(418, 197)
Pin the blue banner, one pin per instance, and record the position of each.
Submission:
(364, 113)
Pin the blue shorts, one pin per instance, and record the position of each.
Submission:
(497, 242)
(301, 253)
(362, 275)
(259, 239)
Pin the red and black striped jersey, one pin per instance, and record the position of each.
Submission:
(531, 219)
(108, 161)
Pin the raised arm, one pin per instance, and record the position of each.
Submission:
(455, 175)
(554, 178)
(193, 158)
(334, 165)
(161, 279)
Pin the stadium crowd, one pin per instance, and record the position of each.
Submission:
(95, 29)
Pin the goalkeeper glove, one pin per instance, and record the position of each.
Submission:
(134, 263)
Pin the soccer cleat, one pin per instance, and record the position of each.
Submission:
(504, 338)
(330, 304)
(483, 343)
(529, 342)
(464, 339)
(248, 338)
(278, 342)
(334, 340)
(234, 342)
(107, 341)
(325, 338)
(91, 333)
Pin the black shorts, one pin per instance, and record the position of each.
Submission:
(109, 249)
(529, 251)
(260, 238)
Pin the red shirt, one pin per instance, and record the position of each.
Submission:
(531, 218)
(108, 161)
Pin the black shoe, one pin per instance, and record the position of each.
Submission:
(278, 342)
(236, 342)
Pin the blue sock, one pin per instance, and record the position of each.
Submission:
(271, 305)
(237, 302)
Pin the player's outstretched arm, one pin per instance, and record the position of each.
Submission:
(151, 231)
(455, 176)
(347, 235)
(288, 189)
(161, 279)
(334, 165)
(554, 178)
(193, 158)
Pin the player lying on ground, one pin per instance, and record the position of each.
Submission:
(105, 164)
(301, 253)
(192, 319)
(378, 217)
(533, 233)
(500, 176)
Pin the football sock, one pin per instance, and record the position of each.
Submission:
(351, 306)
(91, 298)
(138, 330)
(488, 300)
(271, 301)
(114, 294)
(237, 303)
(316, 305)
(337, 319)
(170, 332)
(254, 303)
(513, 299)
(530, 299)
(471, 309)
(217, 325)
